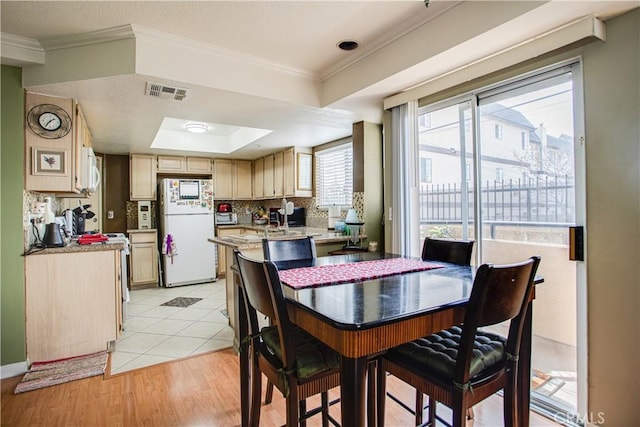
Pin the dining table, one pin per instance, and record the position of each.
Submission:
(365, 303)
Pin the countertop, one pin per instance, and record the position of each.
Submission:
(142, 230)
(74, 247)
(254, 241)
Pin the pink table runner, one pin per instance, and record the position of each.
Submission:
(321, 275)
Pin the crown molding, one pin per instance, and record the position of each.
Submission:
(85, 39)
(18, 50)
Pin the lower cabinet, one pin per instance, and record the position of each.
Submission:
(73, 303)
(222, 250)
(144, 259)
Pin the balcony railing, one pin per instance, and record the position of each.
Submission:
(547, 200)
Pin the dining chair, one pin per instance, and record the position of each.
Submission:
(289, 249)
(451, 251)
(464, 365)
(286, 250)
(443, 250)
(298, 364)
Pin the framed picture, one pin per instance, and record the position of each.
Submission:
(49, 162)
(305, 171)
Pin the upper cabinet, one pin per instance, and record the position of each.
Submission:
(232, 179)
(53, 142)
(284, 174)
(258, 178)
(178, 164)
(278, 174)
(199, 165)
(142, 173)
(242, 179)
(267, 177)
(171, 164)
(297, 171)
(223, 179)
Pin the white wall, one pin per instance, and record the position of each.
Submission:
(612, 114)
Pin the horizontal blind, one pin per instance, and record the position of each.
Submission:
(334, 176)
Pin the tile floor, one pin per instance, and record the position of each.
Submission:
(154, 333)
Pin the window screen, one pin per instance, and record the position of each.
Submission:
(334, 176)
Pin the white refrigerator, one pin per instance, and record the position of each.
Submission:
(186, 221)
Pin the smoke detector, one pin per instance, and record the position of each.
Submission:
(166, 92)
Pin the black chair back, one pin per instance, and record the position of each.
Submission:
(289, 249)
(452, 251)
(499, 293)
(262, 290)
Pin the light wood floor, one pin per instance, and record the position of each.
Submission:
(199, 391)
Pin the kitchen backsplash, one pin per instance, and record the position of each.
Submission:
(132, 215)
(316, 218)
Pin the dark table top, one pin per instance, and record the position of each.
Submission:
(371, 303)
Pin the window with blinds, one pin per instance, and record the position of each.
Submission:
(334, 176)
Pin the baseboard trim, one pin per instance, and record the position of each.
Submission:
(13, 370)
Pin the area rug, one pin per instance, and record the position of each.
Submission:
(45, 374)
(181, 302)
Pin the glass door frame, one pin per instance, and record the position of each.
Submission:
(471, 97)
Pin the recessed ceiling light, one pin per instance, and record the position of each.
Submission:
(348, 44)
(195, 127)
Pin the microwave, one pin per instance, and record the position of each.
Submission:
(89, 172)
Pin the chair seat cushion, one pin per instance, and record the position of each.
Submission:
(312, 356)
(437, 353)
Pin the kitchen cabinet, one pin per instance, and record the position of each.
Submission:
(144, 258)
(297, 171)
(142, 177)
(52, 157)
(199, 165)
(83, 135)
(242, 179)
(273, 175)
(223, 179)
(222, 251)
(171, 164)
(258, 178)
(278, 175)
(180, 165)
(268, 176)
(73, 303)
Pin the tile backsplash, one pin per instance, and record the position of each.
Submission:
(316, 218)
(132, 215)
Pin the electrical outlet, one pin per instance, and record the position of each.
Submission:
(110, 215)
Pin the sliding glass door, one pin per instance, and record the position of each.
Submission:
(499, 167)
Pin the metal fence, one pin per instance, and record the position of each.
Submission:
(548, 200)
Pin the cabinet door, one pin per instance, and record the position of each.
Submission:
(171, 164)
(289, 172)
(144, 264)
(268, 177)
(223, 179)
(51, 165)
(278, 175)
(142, 171)
(258, 178)
(222, 250)
(67, 314)
(199, 165)
(242, 182)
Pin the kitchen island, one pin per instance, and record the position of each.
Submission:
(248, 240)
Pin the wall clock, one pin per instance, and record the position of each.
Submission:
(49, 121)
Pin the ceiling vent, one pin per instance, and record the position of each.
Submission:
(166, 92)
